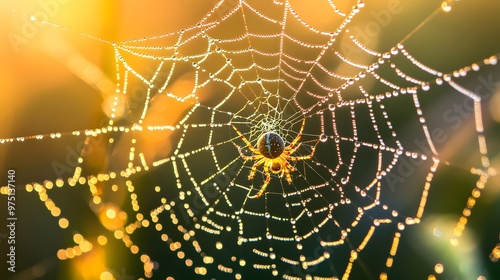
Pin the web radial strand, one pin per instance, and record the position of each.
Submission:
(337, 206)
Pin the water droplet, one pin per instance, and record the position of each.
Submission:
(445, 7)
(493, 60)
(401, 226)
(425, 86)
(439, 268)
(323, 137)
(331, 107)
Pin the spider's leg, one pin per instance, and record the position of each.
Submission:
(250, 146)
(245, 157)
(266, 182)
(292, 158)
(287, 168)
(298, 135)
(288, 165)
(255, 165)
(287, 173)
(290, 150)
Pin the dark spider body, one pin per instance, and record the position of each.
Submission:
(270, 145)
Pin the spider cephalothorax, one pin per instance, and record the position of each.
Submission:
(273, 155)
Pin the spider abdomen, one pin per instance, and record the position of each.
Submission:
(270, 145)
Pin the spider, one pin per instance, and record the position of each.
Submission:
(273, 155)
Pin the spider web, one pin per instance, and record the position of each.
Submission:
(261, 67)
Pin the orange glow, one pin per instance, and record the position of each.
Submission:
(89, 266)
(112, 217)
(111, 213)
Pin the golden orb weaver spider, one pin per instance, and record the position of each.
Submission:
(273, 155)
